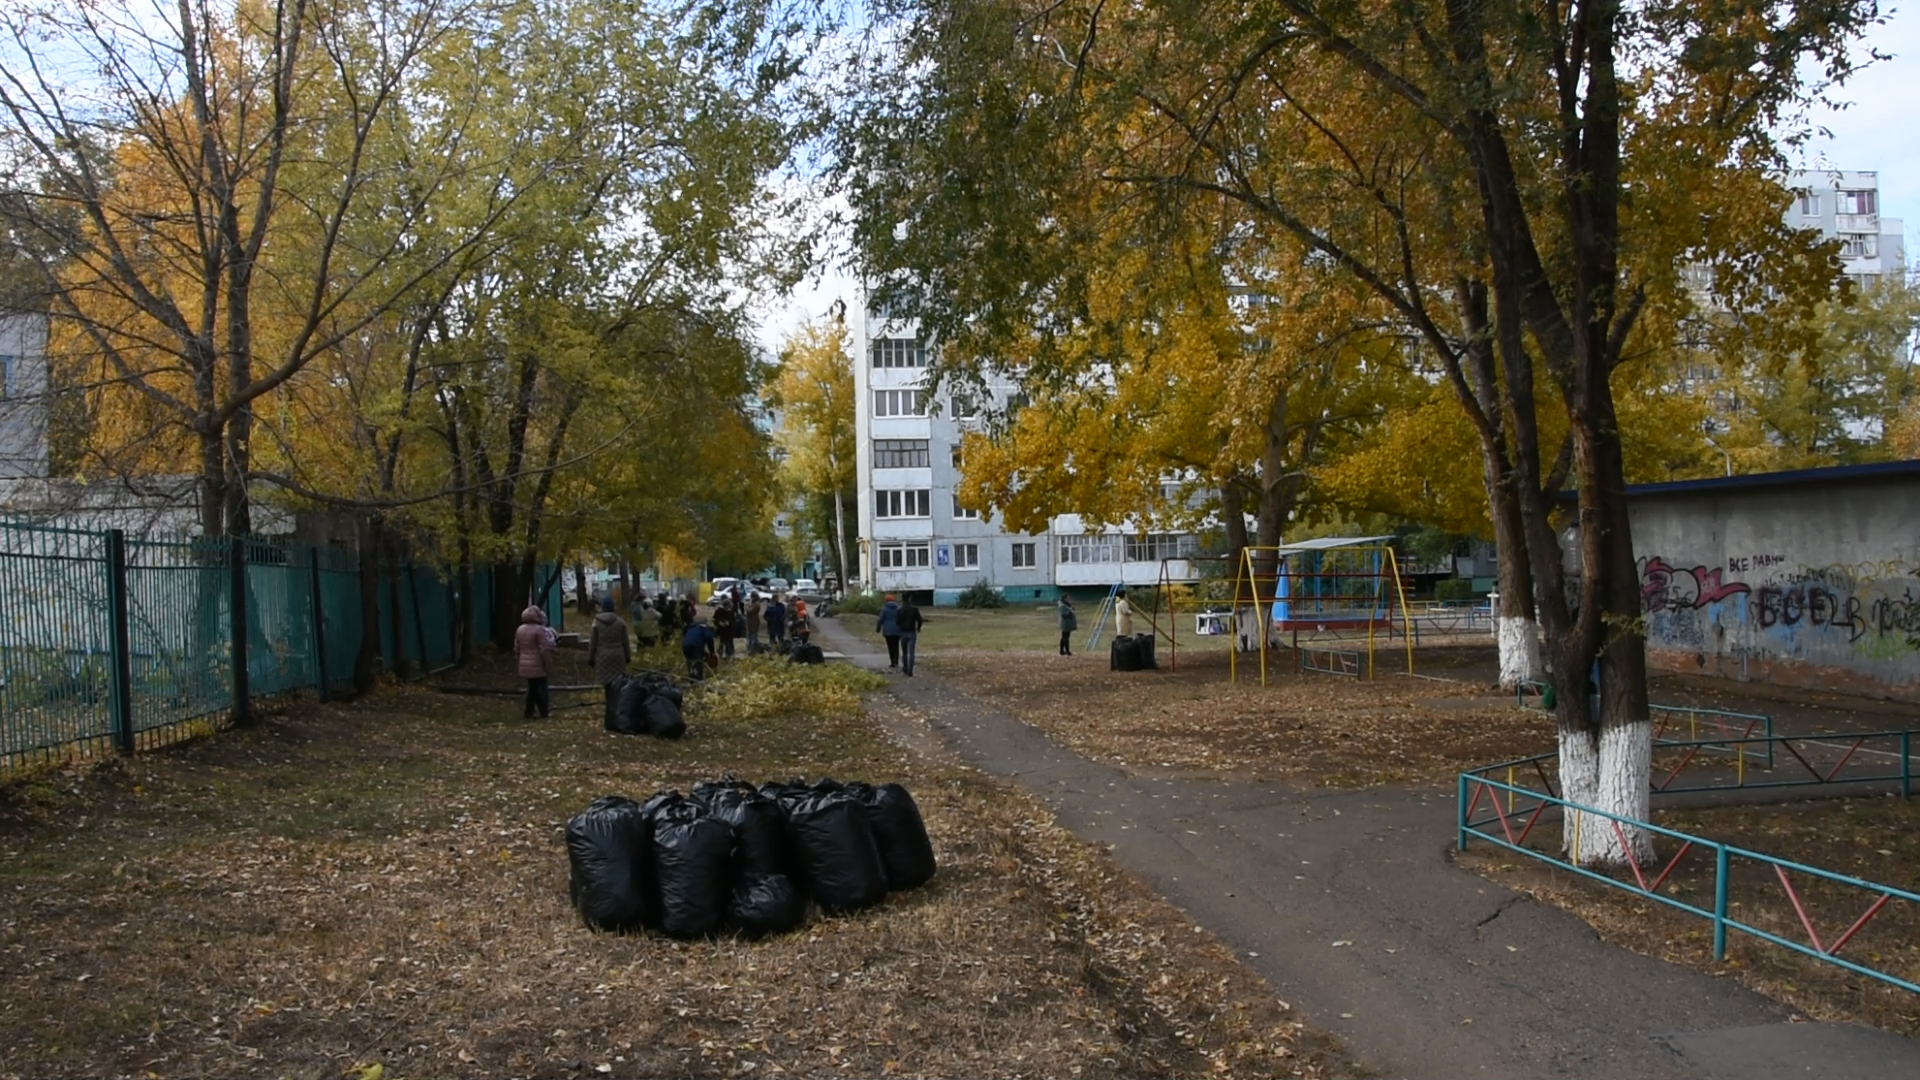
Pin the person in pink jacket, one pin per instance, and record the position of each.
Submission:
(533, 646)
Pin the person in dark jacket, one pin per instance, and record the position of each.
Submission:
(1069, 622)
(608, 649)
(669, 610)
(888, 626)
(776, 621)
(697, 645)
(723, 625)
(909, 620)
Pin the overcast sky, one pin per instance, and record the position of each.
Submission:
(1878, 131)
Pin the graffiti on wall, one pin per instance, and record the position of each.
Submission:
(1872, 607)
(1663, 586)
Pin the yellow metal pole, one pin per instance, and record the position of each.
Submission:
(1400, 591)
(1509, 789)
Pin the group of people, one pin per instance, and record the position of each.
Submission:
(737, 614)
(703, 641)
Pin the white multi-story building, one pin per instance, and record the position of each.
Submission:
(1844, 204)
(917, 537)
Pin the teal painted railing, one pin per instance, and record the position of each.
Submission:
(1512, 811)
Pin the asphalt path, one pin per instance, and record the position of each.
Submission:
(1349, 904)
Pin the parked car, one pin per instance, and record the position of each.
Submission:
(806, 587)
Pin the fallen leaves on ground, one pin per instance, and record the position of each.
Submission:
(379, 888)
(1303, 728)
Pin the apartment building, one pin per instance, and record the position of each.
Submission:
(916, 536)
(1844, 204)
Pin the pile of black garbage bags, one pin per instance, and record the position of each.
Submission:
(1132, 652)
(735, 858)
(646, 704)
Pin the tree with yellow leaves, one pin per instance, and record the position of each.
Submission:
(814, 394)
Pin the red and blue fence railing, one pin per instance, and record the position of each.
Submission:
(1505, 814)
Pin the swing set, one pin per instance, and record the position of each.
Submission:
(1336, 590)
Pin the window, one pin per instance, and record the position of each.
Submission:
(1809, 204)
(964, 407)
(1156, 546)
(898, 353)
(966, 556)
(1855, 202)
(899, 403)
(1098, 548)
(956, 456)
(904, 556)
(900, 454)
(964, 513)
(8, 363)
(1859, 245)
(899, 504)
(1023, 556)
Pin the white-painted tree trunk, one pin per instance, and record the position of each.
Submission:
(1614, 777)
(1519, 641)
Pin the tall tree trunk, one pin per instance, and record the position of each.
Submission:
(1515, 629)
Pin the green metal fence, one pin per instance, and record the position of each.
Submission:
(110, 641)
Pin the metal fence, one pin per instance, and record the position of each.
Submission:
(110, 641)
(1504, 814)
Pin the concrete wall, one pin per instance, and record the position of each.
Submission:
(1812, 584)
(23, 396)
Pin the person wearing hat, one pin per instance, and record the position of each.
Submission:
(888, 627)
(1069, 622)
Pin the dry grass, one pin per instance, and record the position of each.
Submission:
(1310, 729)
(1875, 839)
(384, 883)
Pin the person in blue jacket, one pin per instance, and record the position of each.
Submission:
(697, 645)
(888, 626)
(776, 616)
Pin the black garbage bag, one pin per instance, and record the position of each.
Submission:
(788, 793)
(663, 718)
(839, 860)
(1124, 654)
(611, 879)
(629, 715)
(764, 904)
(693, 866)
(807, 654)
(1144, 643)
(759, 826)
(906, 852)
(663, 686)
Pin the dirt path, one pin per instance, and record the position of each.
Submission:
(1348, 903)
